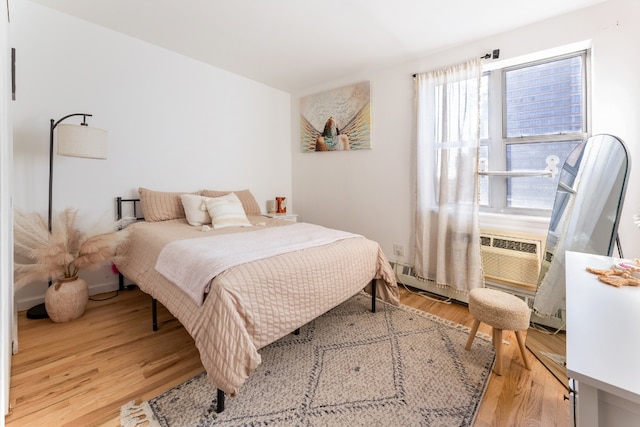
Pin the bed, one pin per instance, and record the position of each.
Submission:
(254, 303)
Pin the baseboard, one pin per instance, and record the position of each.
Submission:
(27, 302)
(404, 274)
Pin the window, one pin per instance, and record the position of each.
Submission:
(531, 114)
(456, 118)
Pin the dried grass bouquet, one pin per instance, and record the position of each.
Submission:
(65, 250)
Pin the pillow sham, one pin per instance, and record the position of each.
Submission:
(195, 209)
(161, 205)
(227, 211)
(249, 202)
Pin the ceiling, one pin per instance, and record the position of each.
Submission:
(295, 44)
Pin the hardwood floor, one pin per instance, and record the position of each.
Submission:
(80, 373)
(517, 398)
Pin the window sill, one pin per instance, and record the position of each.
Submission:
(519, 223)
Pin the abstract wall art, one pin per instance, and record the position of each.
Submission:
(337, 119)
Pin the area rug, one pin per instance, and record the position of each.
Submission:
(349, 367)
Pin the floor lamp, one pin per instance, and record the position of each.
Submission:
(73, 141)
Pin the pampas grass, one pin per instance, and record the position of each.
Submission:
(63, 251)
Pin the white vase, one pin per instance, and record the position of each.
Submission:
(66, 299)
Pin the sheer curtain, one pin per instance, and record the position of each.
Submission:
(448, 143)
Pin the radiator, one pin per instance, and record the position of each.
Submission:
(405, 275)
(511, 258)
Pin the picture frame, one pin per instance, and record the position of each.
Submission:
(336, 120)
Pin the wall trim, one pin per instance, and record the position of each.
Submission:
(94, 289)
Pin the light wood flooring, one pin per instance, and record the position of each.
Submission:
(80, 373)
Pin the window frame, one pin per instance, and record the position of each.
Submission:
(497, 142)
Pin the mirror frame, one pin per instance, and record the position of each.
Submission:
(555, 341)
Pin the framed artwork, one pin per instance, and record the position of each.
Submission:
(336, 120)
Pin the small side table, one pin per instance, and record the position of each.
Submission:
(285, 216)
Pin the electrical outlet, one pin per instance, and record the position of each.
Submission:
(398, 249)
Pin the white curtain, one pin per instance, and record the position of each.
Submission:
(448, 142)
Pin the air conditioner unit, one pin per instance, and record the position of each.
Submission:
(511, 258)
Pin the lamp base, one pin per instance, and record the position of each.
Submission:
(37, 312)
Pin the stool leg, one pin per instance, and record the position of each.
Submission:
(497, 343)
(472, 334)
(522, 349)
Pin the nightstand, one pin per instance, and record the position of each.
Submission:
(284, 216)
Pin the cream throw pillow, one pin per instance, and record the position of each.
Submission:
(195, 209)
(249, 202)
(227, 211)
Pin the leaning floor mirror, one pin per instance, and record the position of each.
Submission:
(585, 218)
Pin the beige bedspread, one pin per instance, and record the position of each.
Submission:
(215, 253)
(254, 304)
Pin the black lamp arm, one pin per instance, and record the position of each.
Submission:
(53, 126)
(84, 119)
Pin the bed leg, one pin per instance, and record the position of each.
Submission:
(373, 295)
(154, 313)
(220, 404)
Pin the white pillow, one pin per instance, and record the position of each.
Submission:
(227, 211)
(195, 209)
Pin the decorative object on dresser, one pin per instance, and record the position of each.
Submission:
(282, 207)
(73, 141)
(271, 206)
(58, 252)
(398, 366)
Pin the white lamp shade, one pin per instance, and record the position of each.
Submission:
(82, 141)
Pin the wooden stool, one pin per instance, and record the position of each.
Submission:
(501, 311)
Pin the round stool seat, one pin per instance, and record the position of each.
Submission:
(499, 309)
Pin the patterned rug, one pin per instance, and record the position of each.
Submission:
(349, 367)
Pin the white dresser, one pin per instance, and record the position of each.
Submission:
(603, 345)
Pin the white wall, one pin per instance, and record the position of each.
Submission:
(174, 124)
(177, 124)
(372, 191)
(8, 326)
